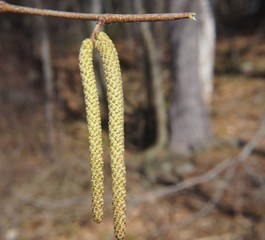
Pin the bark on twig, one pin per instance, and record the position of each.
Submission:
(107, 18)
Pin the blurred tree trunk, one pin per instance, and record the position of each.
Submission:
(192, 45)
(48, 81)
(156, 74)
(96, 6)
(206, 22)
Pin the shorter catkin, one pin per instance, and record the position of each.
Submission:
(94, 127)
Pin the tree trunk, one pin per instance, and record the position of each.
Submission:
(157, 85)
(189, 120)
(206, 49)
(48, 83)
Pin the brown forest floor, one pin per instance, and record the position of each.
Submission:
(43, 200)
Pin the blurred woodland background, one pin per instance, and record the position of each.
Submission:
(194, 101)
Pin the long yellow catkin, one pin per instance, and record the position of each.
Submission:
(111, 67)
(94, 127)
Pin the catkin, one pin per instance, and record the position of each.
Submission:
(111, 67)
(94, 127)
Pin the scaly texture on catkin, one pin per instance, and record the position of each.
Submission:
(94, 127)
(111, 67)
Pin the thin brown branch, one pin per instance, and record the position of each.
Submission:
(106, 18)
(231, 164)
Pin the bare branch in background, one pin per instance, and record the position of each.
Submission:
(228, 165)
(211, 174)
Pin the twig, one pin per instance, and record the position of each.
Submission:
(206, 209)
(211, 204)
(96, 30)
(167, 191)
(106, 18)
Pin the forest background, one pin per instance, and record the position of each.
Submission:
(212, 188)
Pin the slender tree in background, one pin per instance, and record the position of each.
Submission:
(192, 46)
(48, 81)
(156, 74)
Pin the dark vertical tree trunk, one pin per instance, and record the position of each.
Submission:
(189, 119)
(48, 82)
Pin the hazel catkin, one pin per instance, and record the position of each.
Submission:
(94, 127)
(111, 67)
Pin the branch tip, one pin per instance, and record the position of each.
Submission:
(192, 16)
